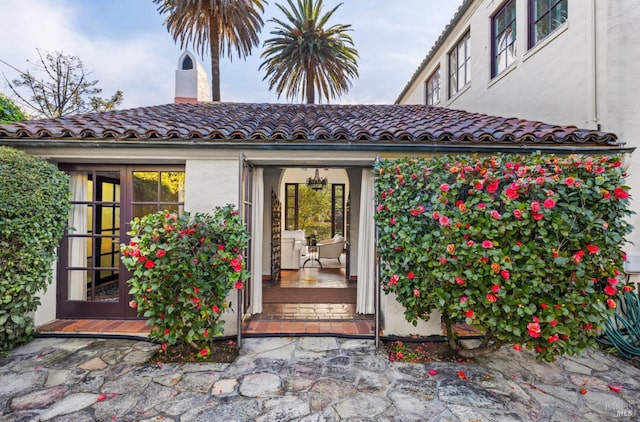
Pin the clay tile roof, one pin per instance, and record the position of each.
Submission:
(391, 124)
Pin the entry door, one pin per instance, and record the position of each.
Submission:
(91, 278)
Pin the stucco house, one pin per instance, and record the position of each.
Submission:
(558, 61)
(196, 155)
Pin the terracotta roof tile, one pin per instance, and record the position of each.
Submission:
(294, 123)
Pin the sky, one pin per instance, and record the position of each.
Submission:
(124, 44)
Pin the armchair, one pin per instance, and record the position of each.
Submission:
(292, 244)
(331, 248)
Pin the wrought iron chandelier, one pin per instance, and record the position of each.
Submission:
(316, 182)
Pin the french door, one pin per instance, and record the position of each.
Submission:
(91, 280)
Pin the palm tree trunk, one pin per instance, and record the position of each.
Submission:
(309, 91)
(214, 43)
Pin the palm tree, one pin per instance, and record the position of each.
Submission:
(224, 25)
(304, 57)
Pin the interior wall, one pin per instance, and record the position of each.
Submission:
(355, 178)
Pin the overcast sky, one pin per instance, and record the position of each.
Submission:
(126, 46)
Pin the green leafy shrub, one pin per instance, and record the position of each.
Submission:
(525, 247)
(9, 111)
(34, 207)
(183, 269)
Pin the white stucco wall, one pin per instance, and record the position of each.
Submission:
(46, 312)
(211, 183)
(394, 323)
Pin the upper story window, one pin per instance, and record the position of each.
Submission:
(544, 17)
(460, 65)
(503, 29)
(433, 87)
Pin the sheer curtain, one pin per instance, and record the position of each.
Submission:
(365, 303)
(257, 214)
(77, 279)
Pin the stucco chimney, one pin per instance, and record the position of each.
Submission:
(192, 84)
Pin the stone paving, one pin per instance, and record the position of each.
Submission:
(306, 379)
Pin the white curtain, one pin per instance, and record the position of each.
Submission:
(257, 214)
(77, 279)
(365, 303)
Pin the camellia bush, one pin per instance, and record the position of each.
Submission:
(527, 248)
(183, 267)
(34, 207)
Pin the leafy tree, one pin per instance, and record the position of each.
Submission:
(9, 111)
(59, 86)
(224, 25)
(314, 211)
(305, 57)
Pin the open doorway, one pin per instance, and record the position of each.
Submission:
(314, 278)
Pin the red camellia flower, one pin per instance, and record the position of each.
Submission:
(161, 253)
(463, 299)
(444, 187)
(236, 265)
(549, 203)
(204, 352)
(444, 221)
(416, 292)
(517, 347)
(470, 314)
(537, 216)
(487, 244)
(627, 288)
(410, 275)
(394, 280)
(534, 329)
(164, 346)
(436, 215)
(593, 249)
(553, 338)
(511, 193)
(215, 309)
(167, 331)
(491, 298)
(495, 288)
(462, 375)
(535, 206)
(149, 264)
(569, 181)
(517, 214)
(432, 372)
(481, 206)
(611, 303)
(505, 274)
(133, 304)
(615, 388)
(495, 214)
(460, 281)
(620, 193)
(239, 285)
(610, 290)
(553, 323)
(392, 221)
(493, 186)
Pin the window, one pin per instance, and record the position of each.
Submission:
(433, 87)
(503, 32)
(187, 63)
(104, 199)
(460, 65)
(544, 17)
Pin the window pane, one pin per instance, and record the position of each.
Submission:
(172, 188)
(77, 282)
(541, 7)
(145, 186)
(142, 210)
